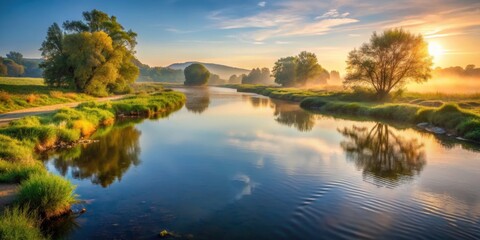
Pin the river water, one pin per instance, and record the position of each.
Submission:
(241, 166)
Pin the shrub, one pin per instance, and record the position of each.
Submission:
(86, 128)
(31, 98)
(56, 94)
(5, 97)
(49, 194)
(19, 223)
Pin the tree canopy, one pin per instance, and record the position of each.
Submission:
(93, 56)
(196, 75)
(299, 70)
(257, 76)
(388, 61)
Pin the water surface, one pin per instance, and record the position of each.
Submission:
(241, 166)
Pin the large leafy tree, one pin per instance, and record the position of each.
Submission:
(307, 68)
(284, 71)
(196, 75)
(299, 70)
(388, 61)
(93, 56)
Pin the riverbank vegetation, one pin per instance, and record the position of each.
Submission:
(458, 113)
(23, 140)
(21, 93)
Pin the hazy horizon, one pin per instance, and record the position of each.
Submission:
(248, 34)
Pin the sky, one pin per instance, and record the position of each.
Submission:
(248, 34)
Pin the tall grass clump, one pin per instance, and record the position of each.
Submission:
(49, 194)
(13, 150)
(17, 172)
(19, 223)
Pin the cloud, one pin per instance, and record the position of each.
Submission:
(175, 30)
(262, 4)
(280, 21)
(333, 13)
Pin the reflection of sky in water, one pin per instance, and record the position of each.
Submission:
(247, 167)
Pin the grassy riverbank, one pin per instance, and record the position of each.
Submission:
(22, 141)
(459, 114)
(19, 93)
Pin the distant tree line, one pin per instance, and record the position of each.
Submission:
(257, 76)
(158, 74)
(14, 65)
(92, 56)
(469, 71)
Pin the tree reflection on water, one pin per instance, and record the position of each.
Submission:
(386, 157)
(198, 100)
(287, 113)
(103, 162)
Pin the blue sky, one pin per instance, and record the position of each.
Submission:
(254, 33)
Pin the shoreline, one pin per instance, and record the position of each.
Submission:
(446, 119)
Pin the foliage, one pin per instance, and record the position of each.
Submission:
(19, 223)
(299, 70)
(388, 61)
(234, 79)
(284, 71)
(257, 76)
(158, 74)
(13, 69)
(18, 172)
(15, 56)
(215, 79)
(49, 194)
(196, 75)
(94, 56)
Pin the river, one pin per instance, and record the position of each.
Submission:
(241, 166)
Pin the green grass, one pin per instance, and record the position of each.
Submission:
(14, 150)
(20, 93)
(16, 173)
(458, 113)
(450, 116)
(49, 194)
(19, 223)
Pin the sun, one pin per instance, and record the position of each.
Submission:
(435, 49)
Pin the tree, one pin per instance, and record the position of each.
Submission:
(16, 57)
(284, 71)
(307, 69)
(13, 69)
(93, 56)
(196, 75)
(257, 76)
(234, 79)
(388, 61)
(335, 76)
(215, 80)
(299, 70)
(3, 68)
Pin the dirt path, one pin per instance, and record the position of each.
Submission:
(7, 194)
(10, 116)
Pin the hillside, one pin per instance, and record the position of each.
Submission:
(222, 70)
